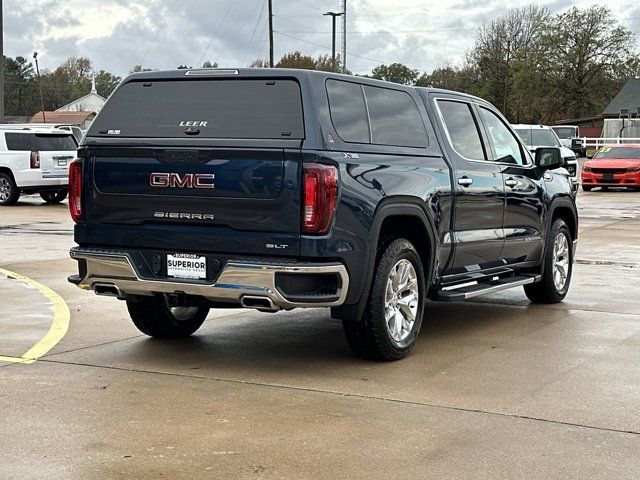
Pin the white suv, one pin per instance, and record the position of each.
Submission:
(35, 160)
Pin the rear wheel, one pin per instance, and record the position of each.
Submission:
(55, 196)
(154, 317)
(9, 192)
(558, 267)
(586, 188)
(393, 316)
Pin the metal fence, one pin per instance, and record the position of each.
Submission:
(599, 142)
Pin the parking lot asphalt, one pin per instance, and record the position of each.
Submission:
(496, 388)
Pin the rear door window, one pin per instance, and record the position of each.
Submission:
(348, 111)
(240, 109)
(40, 142)
(462, 129)
(395, 119)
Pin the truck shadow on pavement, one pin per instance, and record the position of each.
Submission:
(291, 340)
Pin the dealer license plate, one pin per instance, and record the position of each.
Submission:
(186, 265)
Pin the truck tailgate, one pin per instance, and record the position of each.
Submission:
(211, 199)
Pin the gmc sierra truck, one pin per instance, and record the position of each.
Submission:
(276, 189)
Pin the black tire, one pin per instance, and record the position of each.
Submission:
(586, 188)
(9, 192)
(370, 337)
(153, 317)
(546, 290)
(54, 196)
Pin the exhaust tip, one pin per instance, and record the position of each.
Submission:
(263, 304)
(107, 290)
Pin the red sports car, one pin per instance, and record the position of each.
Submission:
(613, 166)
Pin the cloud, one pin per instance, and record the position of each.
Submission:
(117, 34)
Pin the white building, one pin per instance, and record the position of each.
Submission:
(89, 103)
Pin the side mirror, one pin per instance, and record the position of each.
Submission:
(549, 158)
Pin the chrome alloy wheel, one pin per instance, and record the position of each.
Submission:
(561, 256)
(401, 300)
(5, 189)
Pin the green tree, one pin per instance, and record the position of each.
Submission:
(296, 60)
(325, 63)
(20, 86)
(259, 63)
(206, 64)
(140, 68)
(106, 83)
(591, 57)
(396, 72)
(459, 79)
(510, 45)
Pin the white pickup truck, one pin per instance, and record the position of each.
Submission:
(35, 160)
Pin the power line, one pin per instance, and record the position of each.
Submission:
(155, 37)
(239, 30)
(213, 37)
(325, 47)
(392, 32)
(261, 35)
(253, 33)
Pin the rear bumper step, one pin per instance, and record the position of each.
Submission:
(470, 291)
(253, 285)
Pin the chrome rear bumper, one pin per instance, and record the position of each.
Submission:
(243, 283)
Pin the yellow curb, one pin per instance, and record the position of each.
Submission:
(59, 326)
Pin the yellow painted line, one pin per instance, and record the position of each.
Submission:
(59, 326)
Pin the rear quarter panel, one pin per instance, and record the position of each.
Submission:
(372, 176)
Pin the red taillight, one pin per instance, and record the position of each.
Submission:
(35, 159)
(320, 193)
(75, 190)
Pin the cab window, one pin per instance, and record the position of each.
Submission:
(506, 146)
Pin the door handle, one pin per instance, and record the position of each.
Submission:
(510, 182)
(465, 181)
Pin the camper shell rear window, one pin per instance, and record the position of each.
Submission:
(203, 108)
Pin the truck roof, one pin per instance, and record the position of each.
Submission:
(44, 130)
(275, 72)
(525, 125)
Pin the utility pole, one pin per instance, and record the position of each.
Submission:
(333, 16)
(507, 79)
(35, 57)
(344, 36)
(270, 34)
(1, 66)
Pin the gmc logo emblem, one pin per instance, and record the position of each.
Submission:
(175, 180)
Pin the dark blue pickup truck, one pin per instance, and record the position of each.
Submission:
(275, 189)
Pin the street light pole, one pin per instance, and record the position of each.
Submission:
(344, 36)
(270, 34)
(1, 66)
(333, 16)
(35, 57)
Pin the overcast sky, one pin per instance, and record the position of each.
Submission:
(117, 34)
